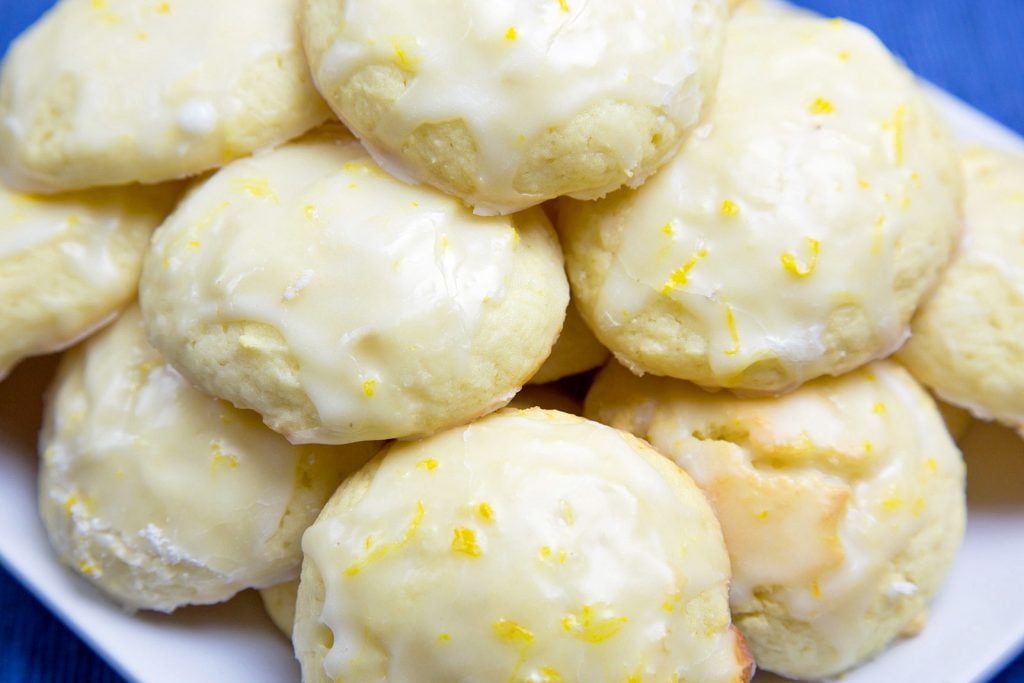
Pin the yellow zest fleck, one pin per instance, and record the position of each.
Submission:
(564, 5)
(403, 59)
(879, 408)
(822, 106)
(427, 464)
(69, 504)
(309, 211)
(258, 187)
(670, 603)
(486, 512)
(444, 241)
(844, 55)
(353, 186)
(221, 458)
(568, 514)
(680, 276)
(587, 628)
(444, 638)
(730, 320)
(868, 446)
(790, 263)
(415, 205)
(918, 507)
(763, 514)
(836, 21)
(163, 8)
(899, 126)
(816, 589)
(870, 376)
(879, 235)
(562, 556)
(193, 244)
(545, 552)
(511, 632)
(549, 675)
(465, 542)
(932, 464)
(141, 36)
(515, 235)
(667, 229)
(729, 208)
(893, 503)
(368, 542)
(86, 568)
(99, 4)
(369, 387)
(863, 183)
(511, 33)
(386, 548)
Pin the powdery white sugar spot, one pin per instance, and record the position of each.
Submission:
(902, 588)
(197, 117)
(292, 290)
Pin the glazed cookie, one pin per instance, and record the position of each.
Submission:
(508, 103)
(108, 92)
(279, 601)
(69, 262)
(796, 231)
(343, 305)
(577, 350)
(431, 564)
(162, 496)
(968, 338)
(842, 504)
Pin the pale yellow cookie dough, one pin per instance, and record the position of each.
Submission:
(108, 92)
(968, 337)
(507, 103)
(343, 305)
(162, 496)
(577, 350)
(842, 503)
(279, 601)
(796, 231)
(69, 262)
(528, 546)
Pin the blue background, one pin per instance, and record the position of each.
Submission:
(972, 48)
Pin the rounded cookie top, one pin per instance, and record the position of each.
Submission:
(69, 262)
(842, 503)
(507, 103)
(108, 92)
(968, 337)
(795, 232)
(344, 305)
(163, 496)
(529, 545)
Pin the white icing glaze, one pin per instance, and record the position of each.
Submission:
(148, 471)
(788, 204)
(528, 546)
(79, 226)
(512, 69)
(375, 281)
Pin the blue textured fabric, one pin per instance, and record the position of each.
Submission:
(973, 48)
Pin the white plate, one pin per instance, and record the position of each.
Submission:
(976, 625)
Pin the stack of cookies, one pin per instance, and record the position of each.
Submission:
(305, 253)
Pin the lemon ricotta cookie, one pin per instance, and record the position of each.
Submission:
(795, 232)
(162, 496)
(968, 337)
(527, 546)
(507, 103)
(279, 602)
(69, 262)
(842, 503)
(343, 305)
(108, 92)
